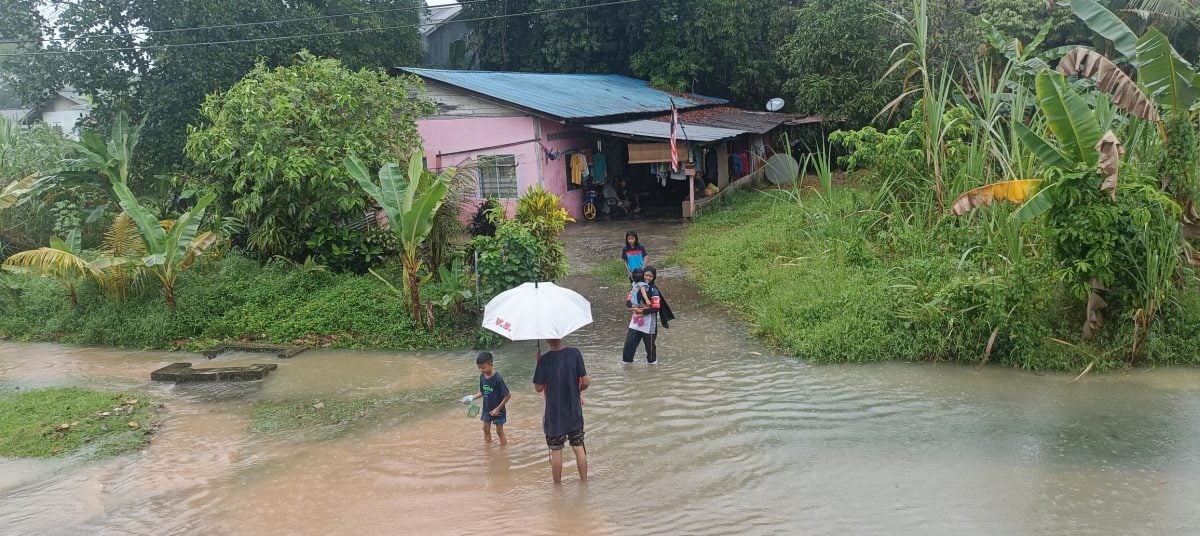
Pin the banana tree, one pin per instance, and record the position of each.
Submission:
(1173, 84)
(62, 261)
(170, 247)
(101, 164)
(410, 201)
(1078, 150)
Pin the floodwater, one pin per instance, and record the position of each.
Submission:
(721, 437)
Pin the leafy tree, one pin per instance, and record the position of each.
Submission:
(168, 84)
(410, 200)
(836, 59)
(725, 48)
(1023, 19)
(597, 39)
(272, 145)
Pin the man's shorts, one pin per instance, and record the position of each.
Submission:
(488, 418)
(557, 442)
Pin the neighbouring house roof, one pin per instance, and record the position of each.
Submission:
(649, 128)
(15, 114)
(571, 98)
(738, 119)
(434, 17)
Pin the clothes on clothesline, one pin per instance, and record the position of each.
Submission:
(599, 167)
(578, 168)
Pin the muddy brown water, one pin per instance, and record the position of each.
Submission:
(721, 438)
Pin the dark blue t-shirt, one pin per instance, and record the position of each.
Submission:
(494, 390)
(560, 372)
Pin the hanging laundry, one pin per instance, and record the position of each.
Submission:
(578, 166)
(599, 168)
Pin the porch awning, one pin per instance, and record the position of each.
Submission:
(658, 130)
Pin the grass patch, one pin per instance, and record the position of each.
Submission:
(610, 272)
(231, 299)
(61, 421)
(836, 281)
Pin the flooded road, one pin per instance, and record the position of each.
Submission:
(721, 438)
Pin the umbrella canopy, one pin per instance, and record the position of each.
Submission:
(537, 311)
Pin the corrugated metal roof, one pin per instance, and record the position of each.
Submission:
(433, 17)
(739, 119)
(648, 128)
(567, 96)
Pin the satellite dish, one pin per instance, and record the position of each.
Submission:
(782, 169)
(775, 104)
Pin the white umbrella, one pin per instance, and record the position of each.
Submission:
(537, 311)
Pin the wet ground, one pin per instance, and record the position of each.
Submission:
(722, 437)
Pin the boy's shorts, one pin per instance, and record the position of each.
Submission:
(488, 418)
(575, 438)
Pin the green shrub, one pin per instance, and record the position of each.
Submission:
(230, 299)
(839, 282)
(509, 258)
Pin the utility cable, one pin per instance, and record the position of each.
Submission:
(320, 34)
(241, 24)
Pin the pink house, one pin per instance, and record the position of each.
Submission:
(565, 130)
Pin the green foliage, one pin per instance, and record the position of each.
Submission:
(411, 201)
(836, 58)
(511, 257)
(1024, 19)
(230, 299)
(136, 72)
(273, 144)
(24, 151)
(715, 47)
(838, 281)
(168, 248)
(454, 289)
(541, 212)
(62, 421)
(1179, 160)
(1096, 238)
(351, 250)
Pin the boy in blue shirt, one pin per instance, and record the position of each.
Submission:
(495, 396)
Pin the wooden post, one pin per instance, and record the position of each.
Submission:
(692, 196)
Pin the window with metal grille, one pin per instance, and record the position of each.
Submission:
(497, 176)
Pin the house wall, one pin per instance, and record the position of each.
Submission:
(558, 137)
(466, 127)
(454, 103)
(64, 114)
(455, 141)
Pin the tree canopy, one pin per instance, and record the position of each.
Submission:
(143, 62)
(272, 145)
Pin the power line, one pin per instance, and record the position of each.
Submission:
(320, 34)
(240, 24)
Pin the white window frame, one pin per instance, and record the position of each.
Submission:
(497, 175)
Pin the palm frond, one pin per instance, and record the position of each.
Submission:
(122, 239)
(48, 262)
(447, 227)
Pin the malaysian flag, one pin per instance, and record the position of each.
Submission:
(674, 128)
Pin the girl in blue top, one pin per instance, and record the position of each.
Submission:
(634, 253)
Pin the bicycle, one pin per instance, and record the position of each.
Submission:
(590, 198)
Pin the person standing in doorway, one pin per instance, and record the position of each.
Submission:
(634, 254)
(561, 377)
(643, 324)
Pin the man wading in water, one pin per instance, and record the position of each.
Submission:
(560, 376)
